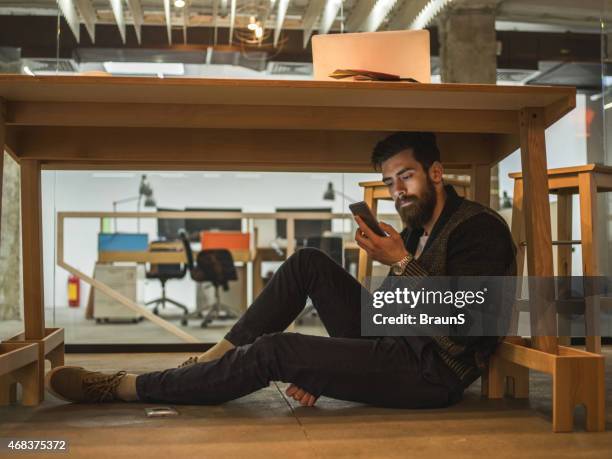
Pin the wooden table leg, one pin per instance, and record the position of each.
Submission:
(31, 231)
(543, 315)
(481, 184)
(257, 279)
(518, 235)
(364, 270)
(2, 140)
(56, 356)
(590, 266)
(564, 261)
(28, 378)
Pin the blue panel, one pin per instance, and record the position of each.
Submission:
(122, 242)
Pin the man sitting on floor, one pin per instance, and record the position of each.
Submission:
(445, 235)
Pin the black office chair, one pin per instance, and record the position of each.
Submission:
(163, 273)
(217, 267)
(333, 247)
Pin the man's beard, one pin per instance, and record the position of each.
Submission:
(421, 210)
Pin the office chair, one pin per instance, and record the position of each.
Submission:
(333, 247)
(217, 267)
(163, 273)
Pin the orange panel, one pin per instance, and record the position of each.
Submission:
(225, 240)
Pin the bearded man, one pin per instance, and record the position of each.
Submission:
(444, 235)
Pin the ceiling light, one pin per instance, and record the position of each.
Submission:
(179, 3)
(145, 68)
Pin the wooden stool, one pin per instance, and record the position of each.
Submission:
(50, 348)
(19, 364)
(586, 181)
(372, 192)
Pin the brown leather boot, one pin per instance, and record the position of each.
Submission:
(76, 384)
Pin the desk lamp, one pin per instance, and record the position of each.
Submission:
(144, 189)
(330, 194)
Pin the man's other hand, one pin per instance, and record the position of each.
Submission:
(385, 250)
(300, 395)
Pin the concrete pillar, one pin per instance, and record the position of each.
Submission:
(468, 43)
(10, 245)
(468, 52)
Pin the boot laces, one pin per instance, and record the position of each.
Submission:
(101, 388)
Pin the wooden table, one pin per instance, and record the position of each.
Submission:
(87, 122)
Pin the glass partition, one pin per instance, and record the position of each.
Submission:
(108, 227)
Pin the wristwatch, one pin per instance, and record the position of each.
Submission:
(398, 267)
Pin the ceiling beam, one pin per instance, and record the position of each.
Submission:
(232, 20)
(168, 19)
(185, 14)
(329, 15)
(117, 7)
(266, 15)
(377, 15)
(72, 18)
(88, 13)
(223, 9)
(359, 14)
(215, 16)
(138, 17)
(280, 18)
(313, 11)
(407, 14)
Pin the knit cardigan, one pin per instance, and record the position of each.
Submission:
(468, 239)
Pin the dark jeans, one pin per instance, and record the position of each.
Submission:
(385, 371)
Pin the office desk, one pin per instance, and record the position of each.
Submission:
(86, 122)
(243, 256)
(178, 257)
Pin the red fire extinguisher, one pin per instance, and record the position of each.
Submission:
(74, 291)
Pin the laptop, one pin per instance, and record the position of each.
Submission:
(398, 52)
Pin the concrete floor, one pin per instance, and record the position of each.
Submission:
(78, 330)
(266, 424)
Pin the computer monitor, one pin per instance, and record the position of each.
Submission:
(169, 228)
(303, 228)
(195, 226)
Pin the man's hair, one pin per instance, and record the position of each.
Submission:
(422, 144)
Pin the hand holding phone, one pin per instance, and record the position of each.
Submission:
(362, 210)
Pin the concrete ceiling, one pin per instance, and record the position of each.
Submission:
(309, 15)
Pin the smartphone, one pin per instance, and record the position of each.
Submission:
(363, 211)
(160, 412)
